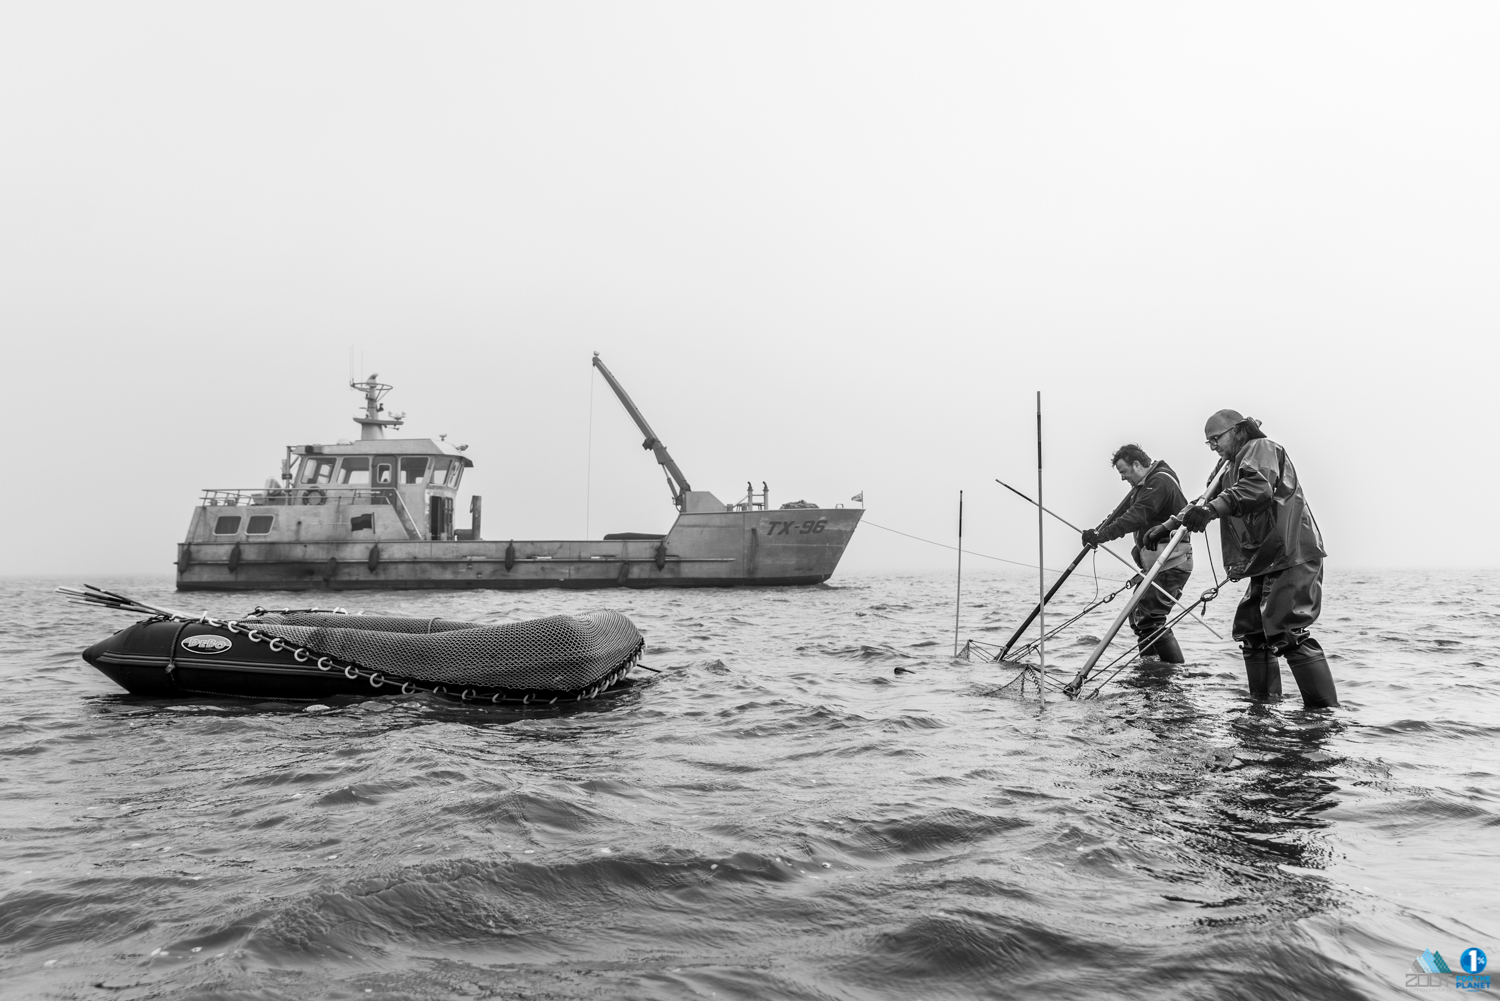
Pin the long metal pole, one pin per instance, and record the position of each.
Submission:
(1051, 592)
(1123, 561)
(958, 598)
(1041, 559)
(1076, 684)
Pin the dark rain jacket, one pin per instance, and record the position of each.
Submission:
(1265, 523)
(1158, 498)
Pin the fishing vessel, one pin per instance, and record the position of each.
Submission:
(379, 513)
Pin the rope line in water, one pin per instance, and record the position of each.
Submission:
(970, 552)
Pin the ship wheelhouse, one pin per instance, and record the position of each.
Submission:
(369, 490)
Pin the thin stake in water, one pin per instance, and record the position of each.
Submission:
(958, 597)
(1041, 559)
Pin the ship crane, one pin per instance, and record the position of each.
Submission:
(676, 482)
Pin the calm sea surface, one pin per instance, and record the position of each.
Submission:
(813, 800)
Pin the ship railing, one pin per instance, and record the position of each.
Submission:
(753, 501)
(298, 495)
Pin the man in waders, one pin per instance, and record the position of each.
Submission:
(1154, 496)
(1269, 535)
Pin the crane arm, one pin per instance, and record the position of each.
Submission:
(679, 483)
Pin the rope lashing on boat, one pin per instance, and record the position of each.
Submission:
(172, 653)
(261, 610)
(409, 687)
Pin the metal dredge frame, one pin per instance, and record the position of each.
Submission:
(1074, 688)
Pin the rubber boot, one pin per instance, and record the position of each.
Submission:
(1262, 673)
(1164, 649)
(1315, 680)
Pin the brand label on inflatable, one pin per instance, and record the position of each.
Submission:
(207, 644)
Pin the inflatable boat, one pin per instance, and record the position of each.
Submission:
(315, 654)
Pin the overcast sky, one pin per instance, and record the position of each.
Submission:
(837, 248)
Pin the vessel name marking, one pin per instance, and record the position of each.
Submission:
(207, 644)
(807, 526)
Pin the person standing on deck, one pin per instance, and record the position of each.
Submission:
(1155, 495)
(1269, 536)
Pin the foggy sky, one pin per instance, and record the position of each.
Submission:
(837, 248)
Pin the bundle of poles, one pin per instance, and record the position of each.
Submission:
(98, 597)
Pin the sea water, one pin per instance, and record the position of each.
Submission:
(812, 800)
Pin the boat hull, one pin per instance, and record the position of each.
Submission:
(720, 549)
(165, 658)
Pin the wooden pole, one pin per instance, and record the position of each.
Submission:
(1041, 558)
(958, 597)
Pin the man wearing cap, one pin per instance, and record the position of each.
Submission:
(1268, 535)
(1155, 495)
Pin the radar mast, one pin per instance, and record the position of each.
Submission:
(372, 426)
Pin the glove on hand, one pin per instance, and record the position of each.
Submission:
(1091, 537)
(1156, 533)
(1198, 516)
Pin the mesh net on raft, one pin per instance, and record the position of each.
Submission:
(560, 653)
(372, 623)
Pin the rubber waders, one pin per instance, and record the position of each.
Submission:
(1310, 668)
(1262, 673)
(1164, 649)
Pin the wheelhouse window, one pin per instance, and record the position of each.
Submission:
(227, 524)
(317, 470)
(355, 472)
(260, 524)
(384, 476)
(439, 471)
(413, 469)
(455, 471)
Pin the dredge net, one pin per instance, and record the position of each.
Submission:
(560, 653)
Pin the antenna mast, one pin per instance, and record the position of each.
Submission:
(372, 426)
